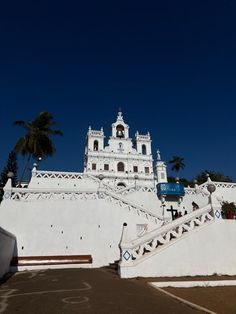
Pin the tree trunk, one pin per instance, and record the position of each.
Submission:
(24, 169)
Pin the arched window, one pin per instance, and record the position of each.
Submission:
(121, 148)
(120, 167)
(95, 145)
(120, 131)
(144, 149)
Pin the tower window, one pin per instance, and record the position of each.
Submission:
(120, 167)
(135, 168)
(95, 145)
(94, 166)
(121, 147)
(106, 167)
(146, 170)
(144, 149)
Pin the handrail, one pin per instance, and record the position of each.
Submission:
(151, 242)
(172, 225)
(128, 202)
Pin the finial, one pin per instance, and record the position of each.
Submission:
(158, 155)
(120, 116)
(208, 177)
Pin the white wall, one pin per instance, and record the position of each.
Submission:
(205, 251)
(62, 183)
(77, 227)
(7, 244)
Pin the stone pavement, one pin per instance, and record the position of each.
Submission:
(81, 291)
(102, 291)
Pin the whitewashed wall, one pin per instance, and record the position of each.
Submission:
(208, 250)
(69, 227)
(7, 244)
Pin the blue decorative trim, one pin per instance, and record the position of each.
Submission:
(7, 195)
(126, 255)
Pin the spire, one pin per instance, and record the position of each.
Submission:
(158, 155)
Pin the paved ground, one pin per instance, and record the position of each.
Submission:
(101, 291)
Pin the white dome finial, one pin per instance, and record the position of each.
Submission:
(120, 116)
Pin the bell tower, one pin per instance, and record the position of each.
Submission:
(120, 130)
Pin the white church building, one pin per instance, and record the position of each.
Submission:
(120, 208)
(123, 162)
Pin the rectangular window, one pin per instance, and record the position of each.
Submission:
(135, 169)
(106, 167)
(94, 166)
(146, 170)
(162, 175)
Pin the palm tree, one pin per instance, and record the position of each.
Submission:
(36, 143)
(11, 166)
(177, 163)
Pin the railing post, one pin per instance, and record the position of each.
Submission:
(215, 208)
(8, 187)
(125, 251)
(34, 170)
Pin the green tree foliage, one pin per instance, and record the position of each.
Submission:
(214, 175)
(228, 209)
(11, 166)
(37, 143)
(177, 163)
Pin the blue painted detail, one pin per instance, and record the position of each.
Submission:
(217, 214)
(174, 189)
(126, 255)
(7, 195)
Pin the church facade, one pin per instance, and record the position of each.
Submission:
(123, 162)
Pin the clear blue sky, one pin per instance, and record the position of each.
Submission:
(170, 65)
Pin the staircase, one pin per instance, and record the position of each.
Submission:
(134, 253)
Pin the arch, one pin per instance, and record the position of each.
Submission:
(121, 184)
(95, 145)
(120, 131)
(144, 149)
(120, 167)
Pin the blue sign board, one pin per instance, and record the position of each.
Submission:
(174, 189)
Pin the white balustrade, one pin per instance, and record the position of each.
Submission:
(33, 195)
(57, 175)
(150, 243)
